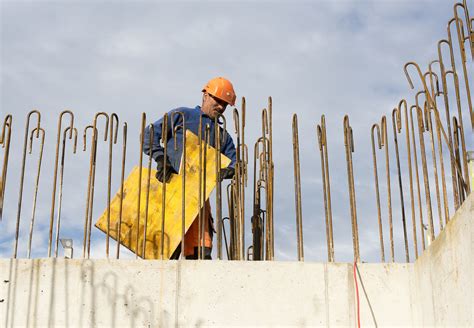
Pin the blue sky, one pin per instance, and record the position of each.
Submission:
(312, 57)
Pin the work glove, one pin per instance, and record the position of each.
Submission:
(227, 173)
(161, 169)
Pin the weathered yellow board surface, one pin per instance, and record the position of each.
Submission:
(173, 213)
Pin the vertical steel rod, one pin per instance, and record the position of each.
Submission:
(299, 215)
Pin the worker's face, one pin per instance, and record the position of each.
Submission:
(212, 106)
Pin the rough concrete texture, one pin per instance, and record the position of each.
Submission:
(436, 290)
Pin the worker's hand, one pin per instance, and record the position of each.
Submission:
(161, 169)
(227, 173)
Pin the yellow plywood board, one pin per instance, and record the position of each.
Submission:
(173, 213)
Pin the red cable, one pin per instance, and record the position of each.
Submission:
(357, 294)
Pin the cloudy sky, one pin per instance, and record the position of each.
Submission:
(129, 57)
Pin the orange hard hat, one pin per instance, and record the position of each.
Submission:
(221, 88)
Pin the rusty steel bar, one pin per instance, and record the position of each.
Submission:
(415, 158)
(61, 181)
(174, 130)
(7, 124)
(207, 133)
(148, 183)
(38, 172)
(429, 127)
(266, 172)
(440, 148)
(238, 187)
(375, 127)
(460, 34)
(164, 140)
(200, 196)
(456, 152)
(461, 127)
(323, 149)
(296, 164)
(122, 179)
(397, 128)
(55, 172)
(244, 178)
(384, 137)
(270, 187)
(349, 147)
(257, 222)
(22, 174)
(140, 171)
(91, 183)
(421, 129)
(84, 137)
(112, 141)
(217, 144)
(448, 115)
(468, 26)
(410, 172)
(230, 204)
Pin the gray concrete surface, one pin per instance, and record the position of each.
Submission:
(434, 291)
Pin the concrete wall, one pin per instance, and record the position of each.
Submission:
(437, 289)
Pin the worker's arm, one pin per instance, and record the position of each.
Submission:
(228, 149)
(155, 150)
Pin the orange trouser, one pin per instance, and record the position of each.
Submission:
(191, 239)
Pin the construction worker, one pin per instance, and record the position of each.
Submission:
(217, 94)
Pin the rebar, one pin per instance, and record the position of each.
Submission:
(148, 183)
(55, 172)
(122, 179)
(375, 127)
(349, 147)
(421, 129)
(174, 129)
(217, 144)
(296, 165)
(61, 181)
(384, 137)
(207, 133)
(440, 148)
(38, 172)
(91, 181)
(410, 172)
(270, 187)
(7, 124)
(418, 188)
(200, 195)
(164, 140)
(461, 130)
(397, 128)
(457, 155)
(22, 174)
(323, 149)
(460, 34)
(112, 141)
(140, 171)
(448, 115)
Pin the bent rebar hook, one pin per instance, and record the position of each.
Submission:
(22, 174)
(7, 124)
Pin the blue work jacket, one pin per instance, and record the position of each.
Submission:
(191, 117)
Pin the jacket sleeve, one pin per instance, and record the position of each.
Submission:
(155, 150)
(228, 149)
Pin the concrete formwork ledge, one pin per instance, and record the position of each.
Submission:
(435, 290)
(218, 293)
